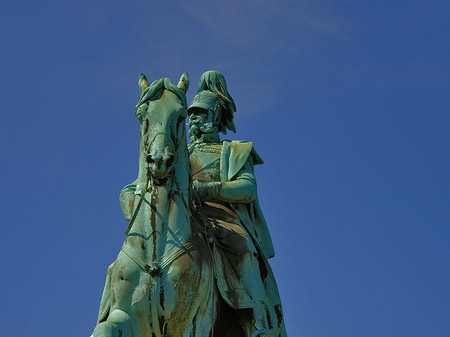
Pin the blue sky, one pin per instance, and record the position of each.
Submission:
(346, 101)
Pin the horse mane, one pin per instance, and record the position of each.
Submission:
(165, 83)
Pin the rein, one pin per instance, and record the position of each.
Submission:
(143, 192)
(172, 143)
(155, 269)
(148, 188)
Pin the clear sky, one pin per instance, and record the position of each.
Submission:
(348, 103)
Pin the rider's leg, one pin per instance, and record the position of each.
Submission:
(242, 255)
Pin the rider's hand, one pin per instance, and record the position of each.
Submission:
(206, 191)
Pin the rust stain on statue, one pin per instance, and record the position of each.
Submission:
(171, 206)
(224, 259)
(130, 206)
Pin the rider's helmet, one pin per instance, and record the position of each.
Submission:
(213, 96)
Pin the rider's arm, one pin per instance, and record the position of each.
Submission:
(242, 189)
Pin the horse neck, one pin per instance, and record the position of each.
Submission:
(170, 218)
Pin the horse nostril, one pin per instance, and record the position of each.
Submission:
(150, 159)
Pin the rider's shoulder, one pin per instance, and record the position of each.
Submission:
(244, 147)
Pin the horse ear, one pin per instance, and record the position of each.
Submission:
(143, 83)
(183, 83)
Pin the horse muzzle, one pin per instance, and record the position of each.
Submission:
(160, 167)
(160, 157)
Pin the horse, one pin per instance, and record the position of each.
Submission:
(162, 281)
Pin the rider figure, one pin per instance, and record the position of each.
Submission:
(225, 183)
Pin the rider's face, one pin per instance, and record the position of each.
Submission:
(204, 120)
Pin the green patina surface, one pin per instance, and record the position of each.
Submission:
(194, 262)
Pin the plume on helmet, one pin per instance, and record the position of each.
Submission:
(214, 81)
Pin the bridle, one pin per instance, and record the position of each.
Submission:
(149, 177)
(155, 269)
(171, 143)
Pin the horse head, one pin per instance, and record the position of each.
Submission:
(161, 111)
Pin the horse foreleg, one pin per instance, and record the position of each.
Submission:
(117, 317)
(117, 325)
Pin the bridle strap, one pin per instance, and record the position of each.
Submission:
(172, 144)
(133, 218)
(146, 187)
(155, 270)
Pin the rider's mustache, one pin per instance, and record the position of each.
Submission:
(193, 122)
(195, 127)
(194, 131)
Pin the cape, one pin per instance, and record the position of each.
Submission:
(233, 157)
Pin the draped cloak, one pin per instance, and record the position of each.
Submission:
(233, 156)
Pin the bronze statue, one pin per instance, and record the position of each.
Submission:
(194, 262)
(224, 181)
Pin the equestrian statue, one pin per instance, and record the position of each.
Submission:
(194, 263)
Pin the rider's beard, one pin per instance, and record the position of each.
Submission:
(208, 128)
(196, 130)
